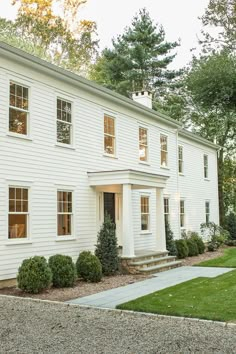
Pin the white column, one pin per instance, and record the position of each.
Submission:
(160, 220)
(127, 221)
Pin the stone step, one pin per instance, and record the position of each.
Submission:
(153, 261)
(160, 267)
(147, 256)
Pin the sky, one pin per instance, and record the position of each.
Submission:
(178, 17)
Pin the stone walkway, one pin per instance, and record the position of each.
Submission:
(112, 298)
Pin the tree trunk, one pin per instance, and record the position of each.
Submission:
(220, 186)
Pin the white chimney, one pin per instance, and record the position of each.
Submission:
(143, 97)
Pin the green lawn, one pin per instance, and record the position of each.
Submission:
(207, 298)
(227, 260)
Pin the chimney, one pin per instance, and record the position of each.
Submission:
(143, 97)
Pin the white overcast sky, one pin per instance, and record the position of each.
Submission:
(178, 17)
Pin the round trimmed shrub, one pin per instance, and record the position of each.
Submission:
(89, 267)
(192, 248)
(34, 275)
(63, 271)
(182, 248)
(198, 240)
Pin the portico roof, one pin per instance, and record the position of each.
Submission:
(138, 179)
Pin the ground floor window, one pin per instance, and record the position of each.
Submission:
(64, 213)
(18, 216)
(145, 215)
(167, 210)
(182, 213)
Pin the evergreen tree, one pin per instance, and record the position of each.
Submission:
(138, 60)
(170, 243)
(231, 225)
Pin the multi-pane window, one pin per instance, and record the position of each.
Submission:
(18, 109)
(18, 216)
(145, 215)
(167, 210)
(164, 150)
(182, 213)
(109, 135)
(64, 122)
(207, 211)
(180, 159)
(143, 144)
(64, 213)
(205, 158)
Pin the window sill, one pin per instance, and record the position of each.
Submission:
(145, 233)
(144, 163)
(207, 179)
(19, 136)
(18, 242)
(181, 174)
(71, 147)
(165, 167)
(65, 238)
(111, 156)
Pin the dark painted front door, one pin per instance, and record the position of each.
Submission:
(109, 205)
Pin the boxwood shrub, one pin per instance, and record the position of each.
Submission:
(182, 248)
(63, 271)
(198, 240)
(89, 267)
(34, 275)
(192, 248)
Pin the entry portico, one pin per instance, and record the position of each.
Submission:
(126, 182)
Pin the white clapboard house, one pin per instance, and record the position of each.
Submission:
(71, 150)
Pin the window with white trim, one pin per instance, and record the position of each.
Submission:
(205, 158)
(207, 211)
(180, 159)
(182, 213)
(64, 213)
(166, 210)
(18, 215)
(109, 135)
(164, 150)
(64, 121)
(145, 213)
(18, 109)
(143, 144)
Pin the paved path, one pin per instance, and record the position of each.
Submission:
(112, 298)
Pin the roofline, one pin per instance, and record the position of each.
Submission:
(189, 135)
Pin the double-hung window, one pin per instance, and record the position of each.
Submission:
(205, 159)
(164, 150)
(182, 213)
(166, 210)
(109, 135)
(145, 213)
(180, 159)
(19, 109)
(143, 144)
(64, 213)
(207, 211)
(18, 216)
(64, 122)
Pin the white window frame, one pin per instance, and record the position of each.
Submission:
(145, 145)
(182, 214)
(71, 124)
(24, 85)
(167, 214)
(207, 211)
(149, 222)
(206, 166)
(71, 236)
(166, 151)
(106, 114)
(180, 159)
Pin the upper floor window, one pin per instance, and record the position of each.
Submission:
(180, 159)
(182, 213)
(145, 215)
(205, 157)
(64, 213)
(18, 217)
(207, 211)
(167, 210)
(164, 150)
(109, 135)
(64, 122)
(19, 109)
(143, 144)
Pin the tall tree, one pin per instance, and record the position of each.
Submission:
(138, 59)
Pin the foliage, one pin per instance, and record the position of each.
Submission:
(182, 248)
(192, 248)
(89, 267)
(231, 243)
(170, 243)
(216, 234)
(231, 225)
(106, 248)
(198, 240)
(63, 271)
(34, 275)
(229, 184)
(138, 60)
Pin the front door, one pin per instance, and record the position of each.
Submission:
(112, 206)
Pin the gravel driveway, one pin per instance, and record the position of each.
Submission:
(31, 326)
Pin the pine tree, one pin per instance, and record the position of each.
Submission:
(170, 243)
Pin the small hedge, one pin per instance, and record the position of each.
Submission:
(198, 240)
(192, 248)
(63, 271)
(34, 275)
(89, 267)
(182, 248)
(231, 243)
